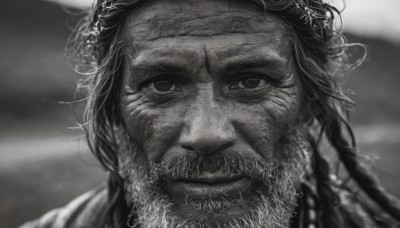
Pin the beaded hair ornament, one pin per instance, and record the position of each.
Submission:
(98, 26)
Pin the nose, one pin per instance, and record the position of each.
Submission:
(207, 131)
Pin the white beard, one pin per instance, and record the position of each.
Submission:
(154, 210)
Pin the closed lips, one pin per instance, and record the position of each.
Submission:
(209, 185)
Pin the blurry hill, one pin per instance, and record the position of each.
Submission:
(40, 170)
(376, 84)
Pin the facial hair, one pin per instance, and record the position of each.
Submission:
(274, 192)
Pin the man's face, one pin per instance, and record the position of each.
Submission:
(211, 103)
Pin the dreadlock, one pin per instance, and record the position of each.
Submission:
(315, 43)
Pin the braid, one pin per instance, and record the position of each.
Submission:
(358, 171)
(307, 209)
(117, 209)
(329, 216)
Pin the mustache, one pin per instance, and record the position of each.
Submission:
(230, 163)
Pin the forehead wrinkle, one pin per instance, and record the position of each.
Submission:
(152, 26)
(189, 16)
(178, 56)
(277, 47)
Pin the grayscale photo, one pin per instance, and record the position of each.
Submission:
(200, 114)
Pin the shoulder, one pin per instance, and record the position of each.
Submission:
(357, 211)
(87, 210)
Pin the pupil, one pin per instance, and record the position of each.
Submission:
(251, 83)
(162, 85)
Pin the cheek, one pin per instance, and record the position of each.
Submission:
(154, 130)
(265, 124)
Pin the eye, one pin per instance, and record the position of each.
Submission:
(162, 85)
(249, 83)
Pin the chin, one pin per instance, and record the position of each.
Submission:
(215, 209)
(247, 212)
(254, 210)
(239, 215)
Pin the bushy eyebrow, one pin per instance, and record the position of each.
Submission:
(254, 62)
(160, 66)
(255, 57)
(147, 69)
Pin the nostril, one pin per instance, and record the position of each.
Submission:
(187, 147)
(207, 146)
(226, 145)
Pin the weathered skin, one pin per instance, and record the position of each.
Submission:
(208, 57)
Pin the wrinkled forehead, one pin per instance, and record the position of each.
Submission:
(205, 18)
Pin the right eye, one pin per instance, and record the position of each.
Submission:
(251, 83)
(163, 85)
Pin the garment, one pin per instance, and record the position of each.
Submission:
(86, 211)
(89, 211)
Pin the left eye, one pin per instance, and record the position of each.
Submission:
(252, 82)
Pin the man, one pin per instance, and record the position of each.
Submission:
(210, 114)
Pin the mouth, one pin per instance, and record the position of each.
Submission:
(209, 185)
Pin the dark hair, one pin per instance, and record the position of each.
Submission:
(316, 47)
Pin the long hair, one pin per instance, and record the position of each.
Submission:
(320, 53)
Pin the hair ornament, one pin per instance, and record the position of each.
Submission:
(314, 19)
(97, 26)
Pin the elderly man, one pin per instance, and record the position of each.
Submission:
(210, 114)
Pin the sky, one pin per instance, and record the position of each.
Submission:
(371, 18)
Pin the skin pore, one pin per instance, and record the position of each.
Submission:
(211, 105)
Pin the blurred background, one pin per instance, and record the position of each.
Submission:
(44, 161)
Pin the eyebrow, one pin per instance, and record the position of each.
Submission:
(160, 66)
(163, 59)
(259, 62)
(145, 69)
